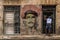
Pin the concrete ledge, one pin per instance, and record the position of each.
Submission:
(32, 37)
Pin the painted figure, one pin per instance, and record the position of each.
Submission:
(48, 24)
(31, 22)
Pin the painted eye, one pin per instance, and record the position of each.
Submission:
(28, 17)
(33, 17)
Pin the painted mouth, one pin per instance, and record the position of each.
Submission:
(30, 22)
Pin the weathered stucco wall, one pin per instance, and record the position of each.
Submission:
(31, 2)
(1, 16)
(27, 2)
(58, 19)
(37, 9)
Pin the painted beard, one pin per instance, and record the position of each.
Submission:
(30, 24)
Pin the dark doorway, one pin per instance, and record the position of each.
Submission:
(48, 10)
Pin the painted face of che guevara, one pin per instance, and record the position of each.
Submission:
(30, 20)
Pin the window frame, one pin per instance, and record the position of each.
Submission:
(54, 11)
(14, 16)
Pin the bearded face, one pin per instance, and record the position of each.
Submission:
(30, 20)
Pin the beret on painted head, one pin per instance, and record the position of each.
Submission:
(30, 12)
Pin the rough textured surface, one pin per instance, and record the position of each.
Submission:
(34, 2)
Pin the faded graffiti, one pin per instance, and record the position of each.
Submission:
(31, 22)
(31, 18)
